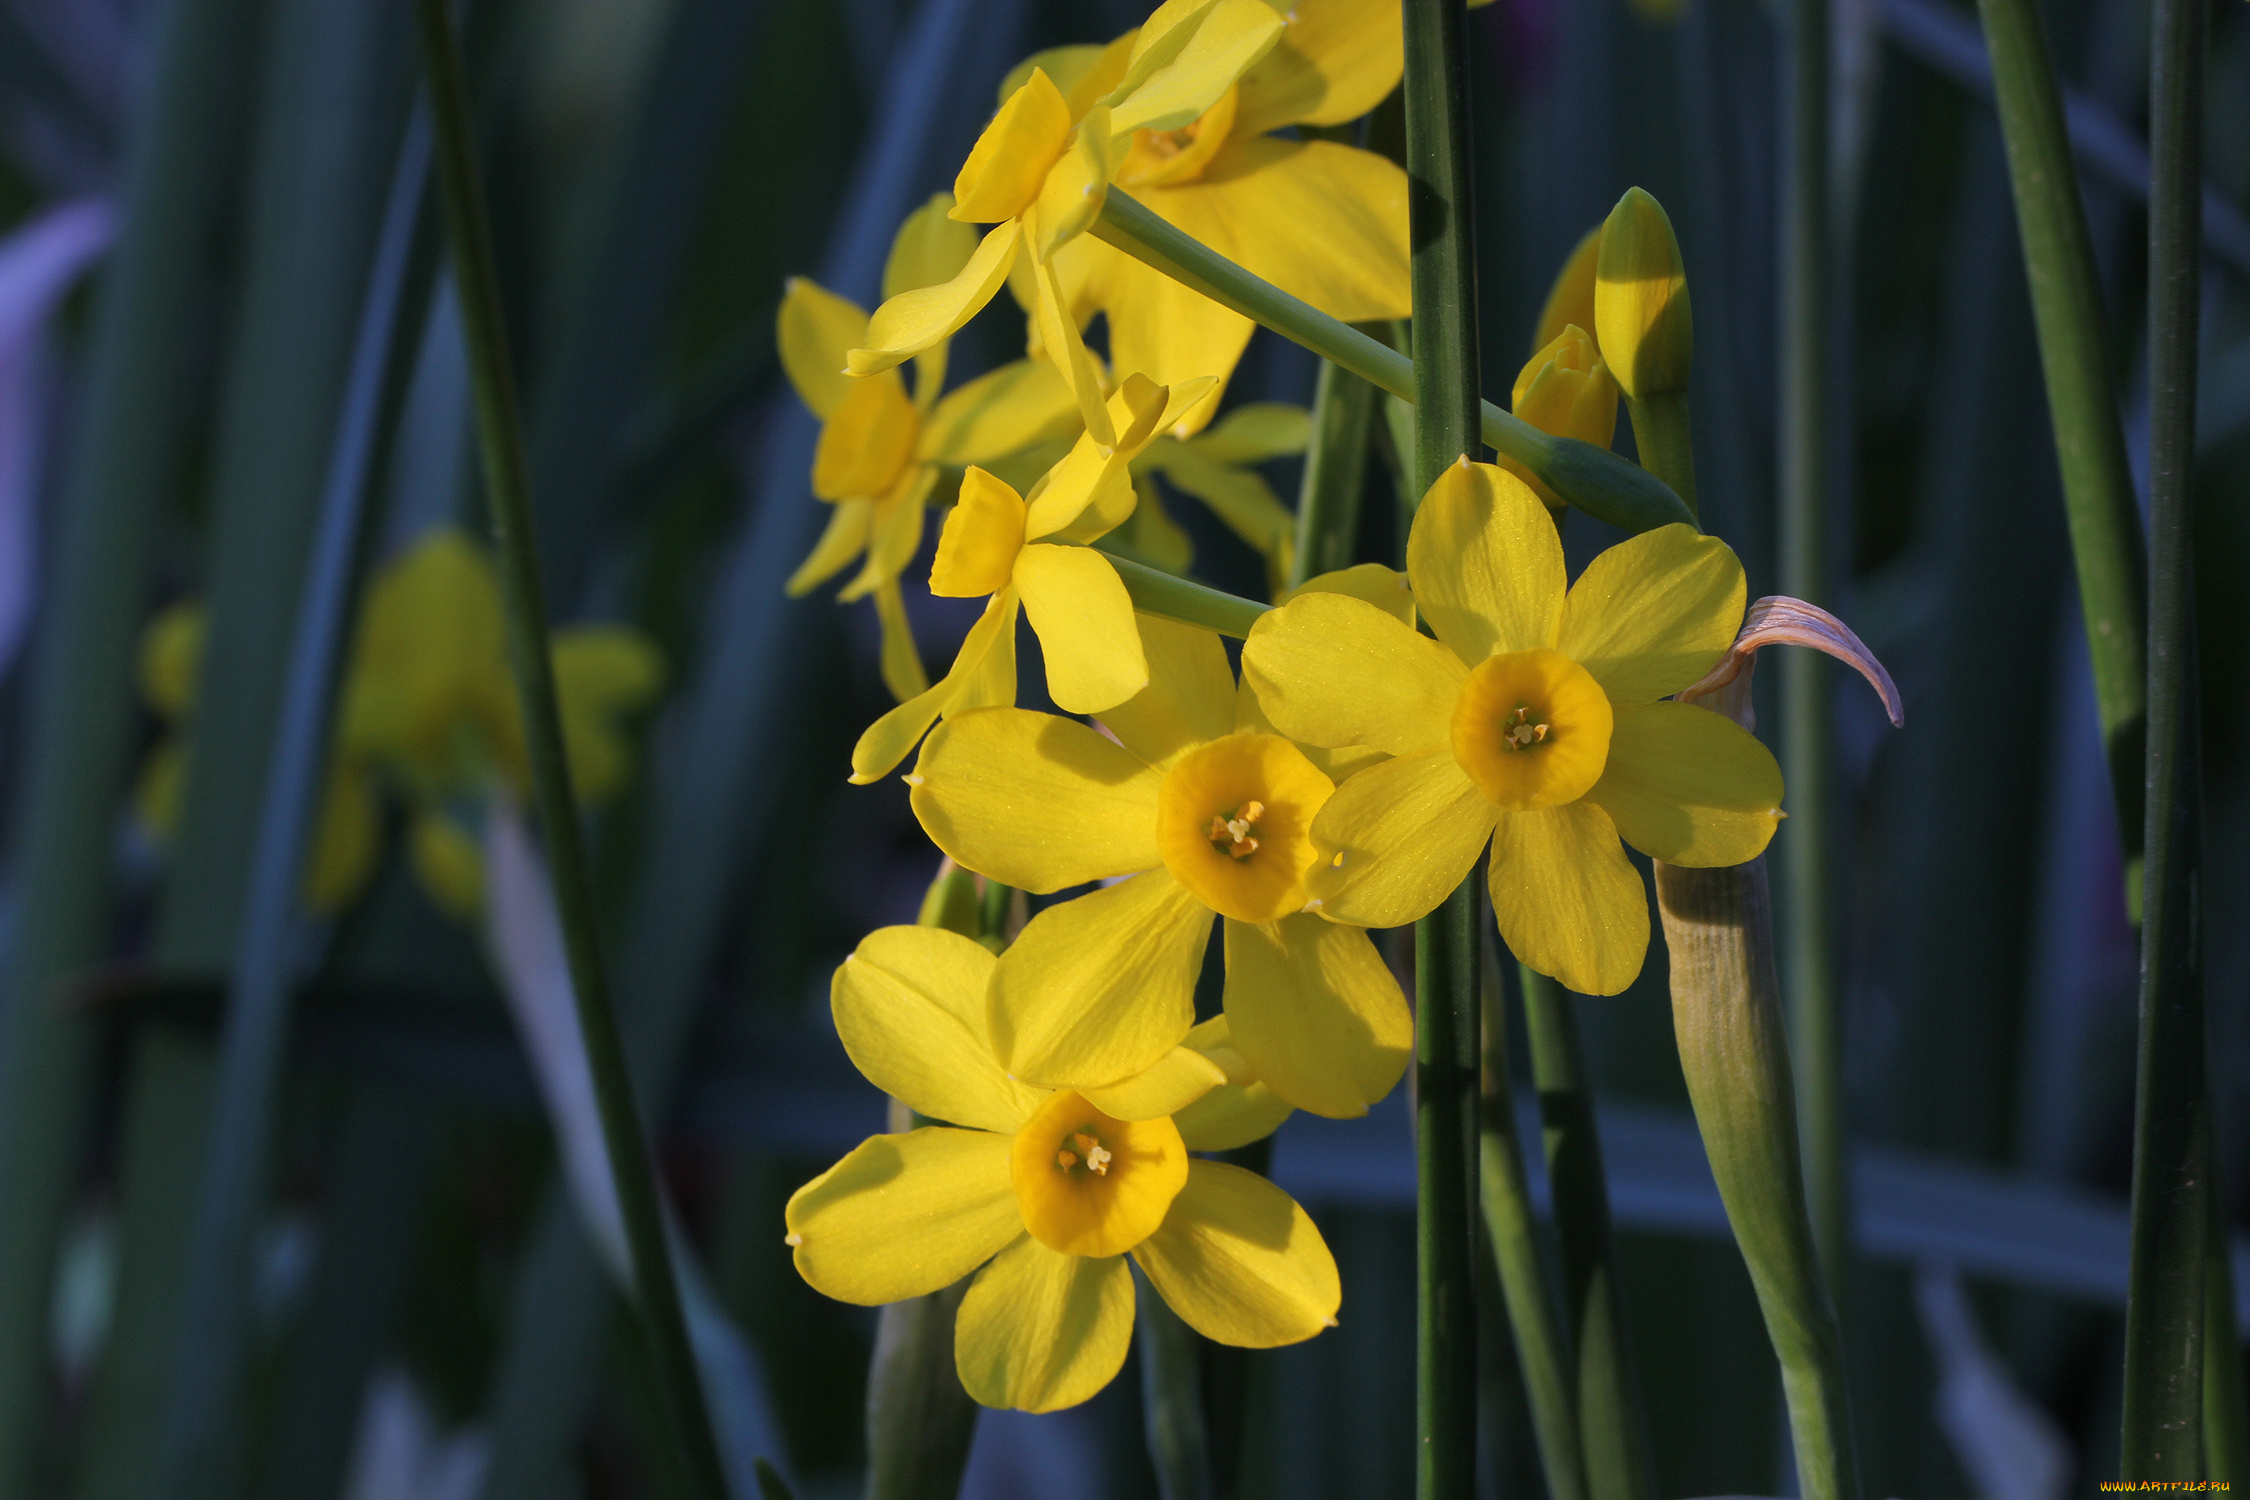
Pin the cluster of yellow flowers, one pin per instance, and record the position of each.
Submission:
(427, 711)
(1350, 780)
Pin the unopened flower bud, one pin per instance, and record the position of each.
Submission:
(1641, 300)
(1571, 299)
(1566, 390)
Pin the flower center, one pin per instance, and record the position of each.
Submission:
(1234, 823)
(1167, 156)
(1532, 728)
(1090, 1184)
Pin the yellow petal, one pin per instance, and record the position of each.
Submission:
(1019, 405)
(1164, 330)
(894, 533)
(1565, 390)
(1486, 564)
(1083, 71)
(910, 1008)
(887, 740)
(1010, 160)
(1571, 299)
(1058, 337)
(843, 539)
(1385, 588)
(1333, 763)
(1330, 669)
(1035, 800)
(1256, 431)
(904, 1215)
(1101, 987)
(1408, 831)
(171, 653)
(913, 321)
(1338, 60)
(1317, 1013)
(1567, 900)
(816, 329)
(1175, 1081)
(1186, 56)
(1084, 618)
(976, 550)
(1689, 786)
(1241, 1262)
(1189, 698)
(1076, 187)
(448, 864)
(601, 673)
(902, 659)
(1655, 612)
(1040, 1330)
(868, 440)
(1232, 1115)
(1089, 490)
(346, 841)
(930, 247)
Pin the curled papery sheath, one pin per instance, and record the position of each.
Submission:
(1778, 620)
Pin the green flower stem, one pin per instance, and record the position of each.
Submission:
(1504, 1193)
(1343, 417)
(1595, 480)
(2173, 1161)
(1446, 1054)
(657, 1296)
(919, 1419)
(1179, 1445)
(1808, 951)
(2226, 1407)
(1620, 1461)
(1157, 592)
(1664, 438)
(1734, 1051)
(2105, 532)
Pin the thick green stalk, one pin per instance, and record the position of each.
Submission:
(1157, 592)
(1179, 1443)
(1343, 418)
(1446, 1056)
(1664, 437)
(1808, 949)
(1541, 1339)
(656, 1293)
(2058, 257)
(1620, 1462)
(1593, 479)
(2226, 1408)
(139, 416)
(1734, 1052)
(2172, 1150)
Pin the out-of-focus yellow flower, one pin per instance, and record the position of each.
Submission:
(1028, 553)
(1218, 467)
(1321, 220)
(880, 450)
(1041, 170)
(1048, 1191)
(1641, 312)
(1565, 389)
(427, 706)
(1211, 816)
(1532, 721)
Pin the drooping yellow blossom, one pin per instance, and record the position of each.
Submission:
(1321, 220)
(1641, 311)
(1566, 390)
(881, 451)
(1027, 553)
(428, 707)
(1042, 1194)
(1041, 170)
(1209, 814)
(1218, 467)
(1532, 721)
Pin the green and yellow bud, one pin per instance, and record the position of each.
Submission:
(1565, 389)
(1641, 300)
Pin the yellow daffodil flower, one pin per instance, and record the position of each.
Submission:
(1210, 815)
(1218, 467)
(1531, 722)
(1041, 170)
(881, 452)
(1025, 553)
(1565, 389)
(1042, 1194)
(1321, 220)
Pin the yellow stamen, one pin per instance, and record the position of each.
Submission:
(1065, 1160)
(1233, 834)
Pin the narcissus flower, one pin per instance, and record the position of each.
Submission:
(1028, 553)
(881, 452)
(1041, 170)
(1210, 816)
(1321, 220)
(1048, 1191)
(1565, 389)
(1531, 722)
